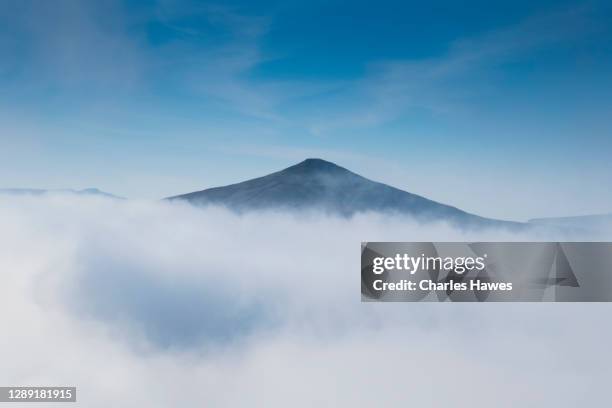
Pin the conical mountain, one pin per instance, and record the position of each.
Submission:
(316, 184)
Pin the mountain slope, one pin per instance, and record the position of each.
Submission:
(316, 184)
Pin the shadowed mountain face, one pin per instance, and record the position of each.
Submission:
(316, 184)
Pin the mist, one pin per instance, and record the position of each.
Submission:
(140, 303)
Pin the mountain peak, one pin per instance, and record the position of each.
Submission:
(317, 161)
(315, 165)
(91, 190)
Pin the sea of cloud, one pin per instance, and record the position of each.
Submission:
(159, 304)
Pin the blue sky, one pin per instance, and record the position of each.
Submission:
(502, 109)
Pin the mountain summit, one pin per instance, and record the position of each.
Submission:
(316, 184)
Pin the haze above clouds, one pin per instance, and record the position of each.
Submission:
(163, 304)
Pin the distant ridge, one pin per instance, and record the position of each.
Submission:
(316, 184)
(595, 221)
(36, 191)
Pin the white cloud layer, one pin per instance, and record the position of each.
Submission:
(159, 304)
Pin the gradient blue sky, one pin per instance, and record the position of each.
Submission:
(501, 108)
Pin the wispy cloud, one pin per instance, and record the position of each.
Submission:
(444, 83)
(71, 45)
(218, 70)
(67, 44)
